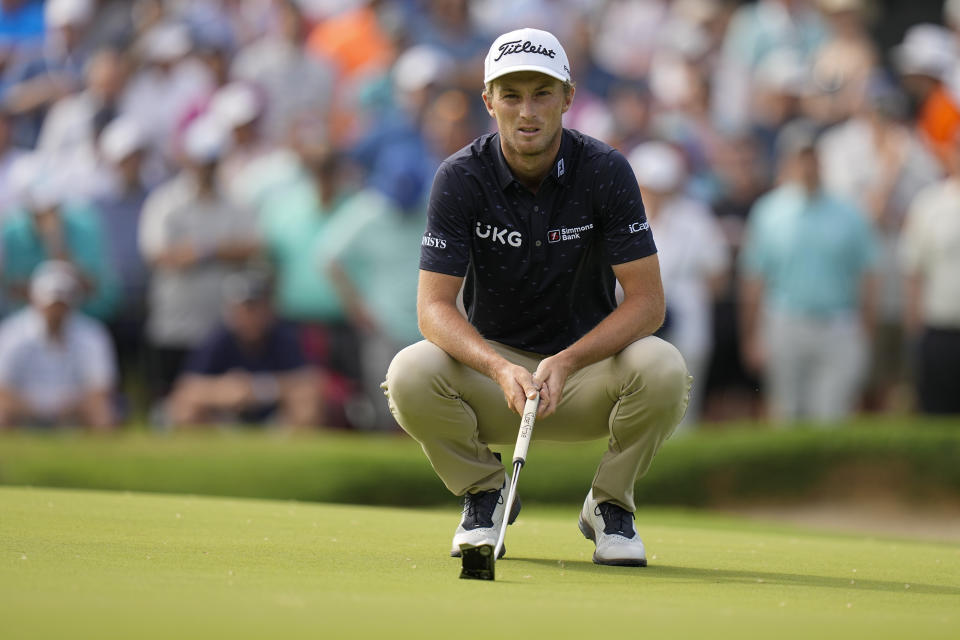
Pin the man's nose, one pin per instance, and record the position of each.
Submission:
(526, 107)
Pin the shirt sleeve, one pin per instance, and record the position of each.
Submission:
(626, 232)
(445, 247)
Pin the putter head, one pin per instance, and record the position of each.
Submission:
(477, 562)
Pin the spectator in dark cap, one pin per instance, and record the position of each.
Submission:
(250, 369)
(57, 366)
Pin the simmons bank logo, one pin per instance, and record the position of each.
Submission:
(567, 233)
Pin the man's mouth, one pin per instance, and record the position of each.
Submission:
(529, 130)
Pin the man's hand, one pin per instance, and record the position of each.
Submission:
(551, 376)
(518, 385)
(234, 391)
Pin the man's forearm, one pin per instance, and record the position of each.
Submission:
(634, 319)
(443, 324)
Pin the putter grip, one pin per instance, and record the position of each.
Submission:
(526, 430)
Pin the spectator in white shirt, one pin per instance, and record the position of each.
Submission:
(192, 236)
(694, 259)
(57, 366)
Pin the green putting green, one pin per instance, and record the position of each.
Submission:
(83, 564)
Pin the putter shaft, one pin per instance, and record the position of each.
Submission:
(519, 458)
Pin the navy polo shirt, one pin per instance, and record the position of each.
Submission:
(537, 266)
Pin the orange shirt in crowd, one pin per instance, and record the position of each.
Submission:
(354, 41)
(939, 121)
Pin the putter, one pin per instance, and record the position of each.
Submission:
(478, 561)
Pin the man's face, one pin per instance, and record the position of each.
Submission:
(54, 313)
(250, 320)
(528, 107)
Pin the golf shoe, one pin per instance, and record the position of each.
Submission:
(611, 529)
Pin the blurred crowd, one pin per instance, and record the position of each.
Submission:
(211, 210)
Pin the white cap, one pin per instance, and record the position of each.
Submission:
(205, 140)
(658, 166)
(62, 13)
(418, 67)
(526, 50)
(122, 137)
(927, 49)
(235, 105)
(54, 281)
(167, 42)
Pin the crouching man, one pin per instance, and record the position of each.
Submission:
(535, 223)
(57, 366)
(250, 369)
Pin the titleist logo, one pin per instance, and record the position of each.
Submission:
(523, 46)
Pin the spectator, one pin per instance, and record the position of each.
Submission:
(694, 260)
(876, 161)
(123, 149)
(238, 108)
(931, 263)
(37, 79)
(842, 68)
(250, 369)
(68, 139)
(192, 237)
(168, 84)
(924, 59)
(47, 225)
(788, 28)
(56, 365)
(356, 40)
(292, 79)
(807, 301)
(76, 120)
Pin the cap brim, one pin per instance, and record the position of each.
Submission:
(525, 67)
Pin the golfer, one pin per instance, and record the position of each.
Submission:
(535, 223)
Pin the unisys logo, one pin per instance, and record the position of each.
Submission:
(523, 46)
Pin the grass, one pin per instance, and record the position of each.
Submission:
(918, 461)
(85, 564)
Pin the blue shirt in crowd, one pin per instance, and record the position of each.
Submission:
(810, 251)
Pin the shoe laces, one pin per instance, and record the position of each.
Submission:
(616, 519)
(478, 508)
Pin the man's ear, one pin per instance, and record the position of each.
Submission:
(488, 102)
(568, 99)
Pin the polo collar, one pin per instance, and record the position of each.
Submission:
(558, 172)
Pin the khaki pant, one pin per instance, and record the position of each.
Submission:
(635, 398)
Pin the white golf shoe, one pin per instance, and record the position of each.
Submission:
(482, 517)
(611, 529)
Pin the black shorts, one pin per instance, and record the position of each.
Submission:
(938, 371)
